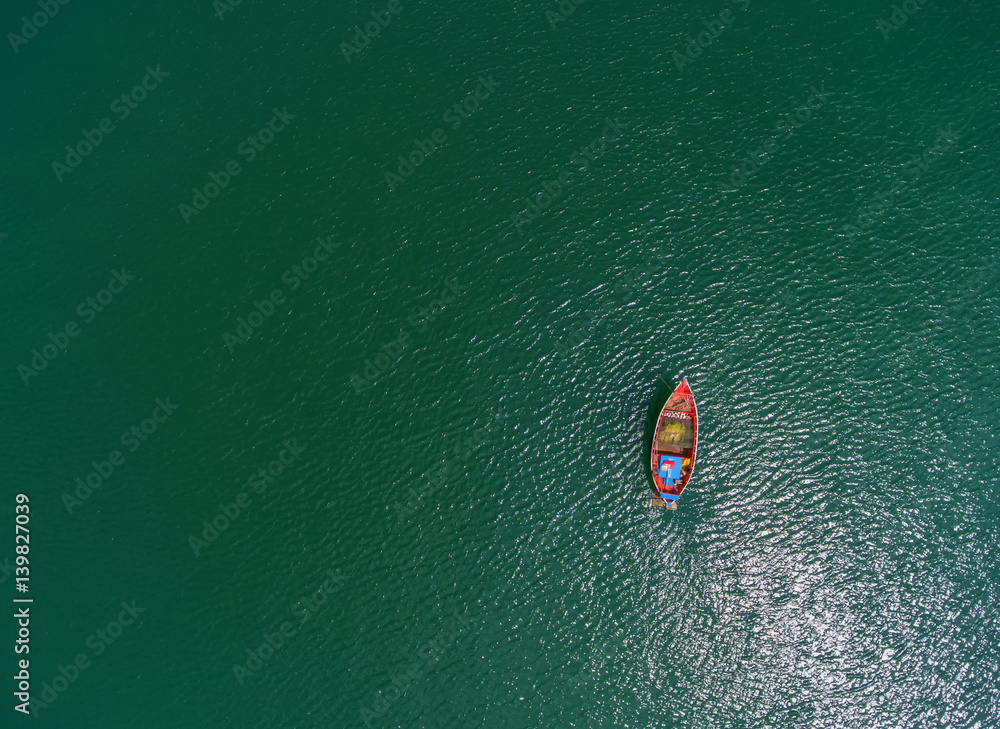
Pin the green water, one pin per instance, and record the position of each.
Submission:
(450, 373)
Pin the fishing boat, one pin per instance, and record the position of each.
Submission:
(674, 444)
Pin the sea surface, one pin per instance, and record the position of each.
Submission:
(333, 334)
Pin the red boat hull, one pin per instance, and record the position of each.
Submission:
(675, 444)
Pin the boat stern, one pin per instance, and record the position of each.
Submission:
(663, 500)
